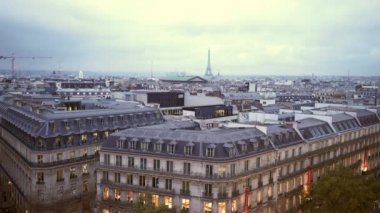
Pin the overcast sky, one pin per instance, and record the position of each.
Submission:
(245, 37)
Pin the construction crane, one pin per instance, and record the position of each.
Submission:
(13, 58)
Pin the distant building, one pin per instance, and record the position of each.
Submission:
(184, 79)
(80, 75)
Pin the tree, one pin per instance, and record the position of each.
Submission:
(342, 190)
(144, 205)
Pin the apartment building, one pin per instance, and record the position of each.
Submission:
(48, 154)
(260, 169)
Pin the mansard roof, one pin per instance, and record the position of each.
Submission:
(52, 123)
(312, 128)
(344, 122)
(227, 143)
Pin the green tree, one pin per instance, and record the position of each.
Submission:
(144, 205)
(342, 190)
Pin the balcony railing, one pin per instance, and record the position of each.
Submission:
(235, 193)
(184, 192)
(207, 194)
(222, 195)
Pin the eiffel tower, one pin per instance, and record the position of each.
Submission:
(208, 73)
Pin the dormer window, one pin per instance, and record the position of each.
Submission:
(210, 151)
(132, 143)
(120, 142)
(189, 149)
(171, 147)
(243, 146)
(158, 147)
(145, 145)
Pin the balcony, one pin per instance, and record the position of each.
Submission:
(185, 192)
(222, 195)
(259, 184)
(207, 194)
(235, 193)
(270, 180)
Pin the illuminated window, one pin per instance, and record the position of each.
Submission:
(234, 206)
(105, 211)
(130, 197)
(142, 196)
(168, 202)
(222, 207)
(259, 196)
(117, 194)
(84, 138)
(185, 204)
(207, 207)
(105, 193)
(72, 154)
(270, 192)
(155, 200)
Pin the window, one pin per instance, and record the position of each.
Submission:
(157, 147)
(293, 152)
(168, 201)
(186, 168)
(142, 180)
(232, 169)
(143, 163)
(155, 182)
(185, 186)
(130, 197)
(188, 150)
(132, 144)
(257, 162)
(85, 169)
(234, 206)
(171, 148)
(130, 179)
(210, 152)
(246, 165)
(119, 144)
(208, 189)
(106, 159)
(244, 147)
(168, 184)
(144, 146)
(286, 154)
(105, 193)
(73, 173)
(105, 175)
(156, 165)
(169, 166)
(59, 156)
(72, 154)
(209, 170)
(118, 160)
(155, 200)
(207, 207)
(117, 194)
(299, 150)
(185, 205)
(117, 177)
(40, 159)
(60, 175)
(131, 162)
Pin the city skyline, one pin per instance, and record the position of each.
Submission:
(245, 38)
